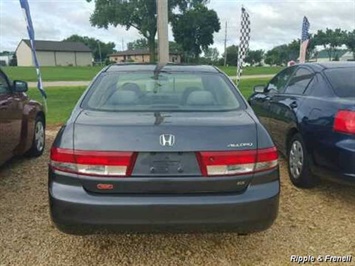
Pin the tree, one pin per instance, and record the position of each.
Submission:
(284, 53)
(95, 45)
(330, 40)
(254, 57)
(143, 44)
(175, 47)
(350, 42)
(292, 50)
(13, 60)
(232, 55)
(269, 59)
(211, 54)
(311, 48)
(138, 14)
(337, 39)
(5, 53)
(194, 28)
(140, 44)
(279, 55)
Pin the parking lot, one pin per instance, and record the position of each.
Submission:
(310, 222)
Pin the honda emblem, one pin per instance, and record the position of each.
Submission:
(167, 140)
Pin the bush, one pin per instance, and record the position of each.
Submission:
(13, 61)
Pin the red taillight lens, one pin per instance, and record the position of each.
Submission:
(100, 163)
(344, 122)
(237, 162)
(266, 159)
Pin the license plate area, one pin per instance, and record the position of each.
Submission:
(166, 164)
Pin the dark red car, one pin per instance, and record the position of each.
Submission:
(22, 121)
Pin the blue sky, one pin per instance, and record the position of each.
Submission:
(273, 22)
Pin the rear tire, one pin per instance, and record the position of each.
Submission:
(39, 138)
(299, 164)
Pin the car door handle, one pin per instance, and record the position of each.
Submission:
(293, 105)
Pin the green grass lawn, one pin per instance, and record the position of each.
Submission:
(87, 73)
(61, 100)
(246, 85)
(52, 73)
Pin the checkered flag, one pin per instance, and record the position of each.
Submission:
(244, 42)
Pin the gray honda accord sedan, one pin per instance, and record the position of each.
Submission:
(154, 148)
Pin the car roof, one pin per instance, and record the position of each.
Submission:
(168, 68)
(329, 65)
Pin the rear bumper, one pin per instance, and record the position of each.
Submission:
(253, 210)
(334, 176)
(335, 161)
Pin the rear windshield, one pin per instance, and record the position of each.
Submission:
(342, 80)
(146, 91)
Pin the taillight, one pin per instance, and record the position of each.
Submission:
(237, 162)
(98, 163)
(344, 122)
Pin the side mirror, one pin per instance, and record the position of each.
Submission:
(20, 86)
(259, 88)
(271, 90)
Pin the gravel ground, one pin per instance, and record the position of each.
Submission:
(310, 222)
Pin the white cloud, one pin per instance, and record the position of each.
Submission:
(277, 22)
(273, 22)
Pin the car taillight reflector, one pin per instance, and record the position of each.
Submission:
(100, 163)
(237, 162)
(344, 122)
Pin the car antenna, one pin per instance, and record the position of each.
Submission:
(157, 71)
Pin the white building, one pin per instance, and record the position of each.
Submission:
(53, 53)
(5, 59)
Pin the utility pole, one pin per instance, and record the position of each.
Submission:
(225, 46)
(162, 23)
(98, 42)
(122, 45)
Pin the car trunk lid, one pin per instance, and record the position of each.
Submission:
(166, 147)
(141, 132)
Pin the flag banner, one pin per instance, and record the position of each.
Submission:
(31, 33)
(243, 43)
(304, 40)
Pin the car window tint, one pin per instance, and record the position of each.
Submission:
(4, 87)
(312, 86)
(318, 87)
(342, 81)
(145, 91)
(279, 82)
(299, 81)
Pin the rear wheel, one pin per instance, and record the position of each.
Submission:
(38, 141)
(298, 164)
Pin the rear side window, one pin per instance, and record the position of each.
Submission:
(146, 91)
(299, 81)
(342, 81)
